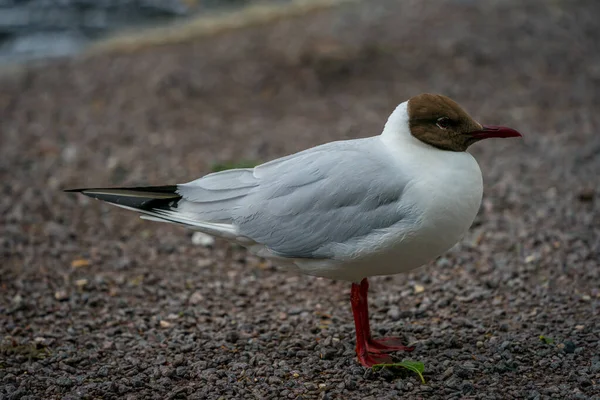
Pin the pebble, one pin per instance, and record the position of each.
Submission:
(586, 195)
(202, 239)
(17, 300)
(165, 324)
(61, 295)
(196, 298)
(394, 313)
(350, 383)
(232, 336)
(64, 382)
(570, 347)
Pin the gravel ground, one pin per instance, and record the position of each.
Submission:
(96, 303)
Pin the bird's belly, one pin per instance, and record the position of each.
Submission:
(443, 218)
(391, 253)
(412, 250)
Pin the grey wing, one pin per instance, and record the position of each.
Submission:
(307, 206)
(214, 197)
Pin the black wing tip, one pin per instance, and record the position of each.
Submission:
(141, 198)
(159, 189)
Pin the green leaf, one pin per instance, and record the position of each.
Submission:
(222, 166)
(546, 340)
(415, 366)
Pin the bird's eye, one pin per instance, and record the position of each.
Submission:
(443, 123)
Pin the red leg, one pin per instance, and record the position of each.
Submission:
(382, 345)
(361, 317)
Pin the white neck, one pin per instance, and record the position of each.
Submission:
(396, 131)
(397, 123)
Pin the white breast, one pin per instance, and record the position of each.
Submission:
(448, 194)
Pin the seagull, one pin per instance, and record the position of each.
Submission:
(345, 210)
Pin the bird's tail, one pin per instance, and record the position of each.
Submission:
(158, 203)
(142, 199)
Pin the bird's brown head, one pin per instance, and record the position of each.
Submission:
(440, 122)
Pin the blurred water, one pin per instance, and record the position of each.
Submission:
(38, 29)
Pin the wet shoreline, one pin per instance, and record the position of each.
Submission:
(40, 29)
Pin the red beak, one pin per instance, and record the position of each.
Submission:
(490, 131)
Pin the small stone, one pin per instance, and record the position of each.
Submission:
(167, 371)
(56, 230)
(350, 383)
(204, 262)
(202, 239)
(394, 313)
(161, 359)
(17, 300)
(464, 371)
(196, 298)
(64, 382)
(273, 380)
(165, 324)
(467, 388)
(232, 336)
(586, 194)
(448, 373)
(328, 354)
(80, 263)
(69, 153)
(187, 347)
(80, 283)
(584, 381)
(40, 340)
(61, 295)
(479, 344)
(569, 347)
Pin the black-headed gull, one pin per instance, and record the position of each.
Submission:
(344, 210)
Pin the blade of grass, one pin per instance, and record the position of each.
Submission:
(415, 366)
(222, 166)
(546, 339)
